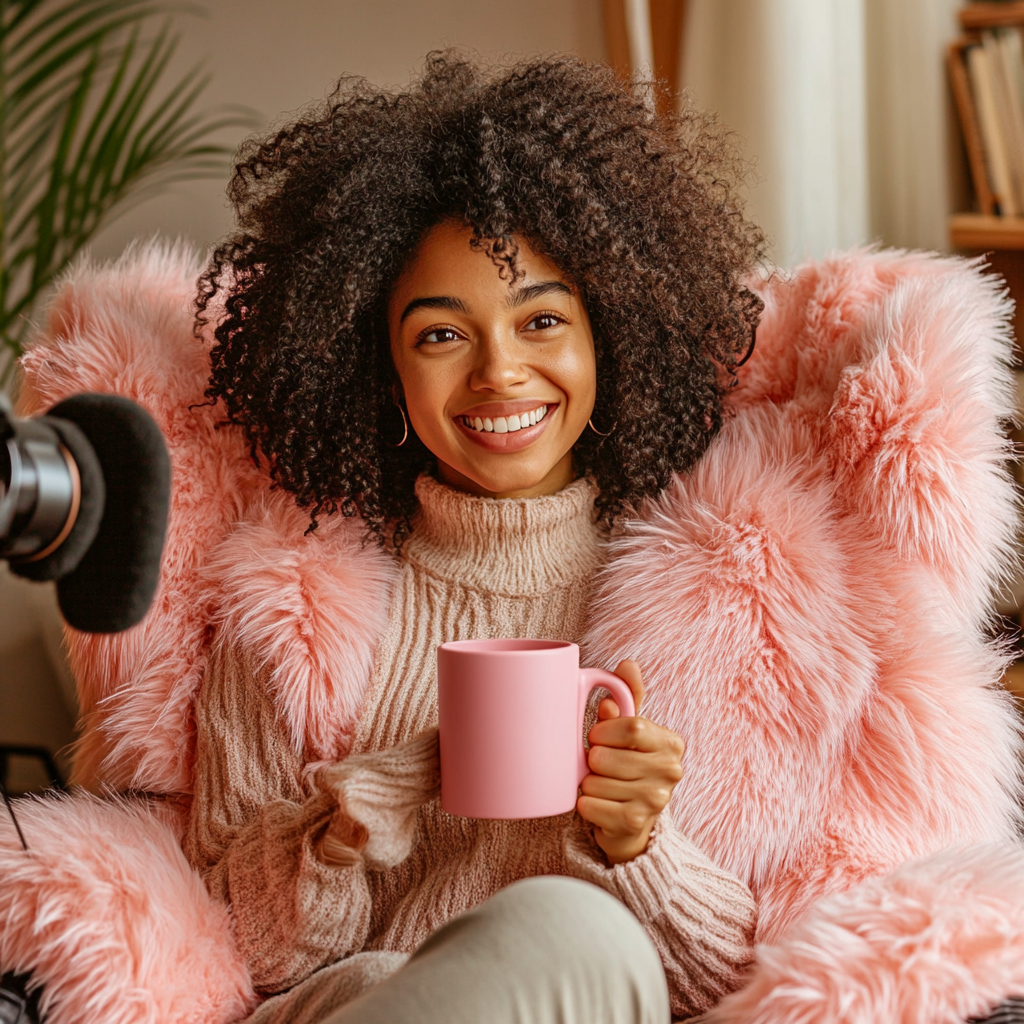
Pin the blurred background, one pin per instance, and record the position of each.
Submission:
(841, 105)
(843, 108)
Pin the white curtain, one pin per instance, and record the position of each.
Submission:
(842, 105)
(917, 167)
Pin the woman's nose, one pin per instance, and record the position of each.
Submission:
(498, 365)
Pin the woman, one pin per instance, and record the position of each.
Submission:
(489, 316)
(807, 596)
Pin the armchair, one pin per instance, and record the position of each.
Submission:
(892, 898)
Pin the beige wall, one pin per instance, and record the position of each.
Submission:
(842, 104)
(276, 55)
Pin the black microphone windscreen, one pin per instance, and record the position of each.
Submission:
(113, 585)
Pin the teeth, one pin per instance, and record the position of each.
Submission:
(506, 425)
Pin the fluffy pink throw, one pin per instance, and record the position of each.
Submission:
(110, 919)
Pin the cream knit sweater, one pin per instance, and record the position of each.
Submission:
(473, 568)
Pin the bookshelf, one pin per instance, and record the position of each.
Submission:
(986, 75)
(1000, 237)
(987, 82)
(990, 230)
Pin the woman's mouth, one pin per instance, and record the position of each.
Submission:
(505, 424)
(507, 433)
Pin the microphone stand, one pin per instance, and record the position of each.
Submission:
(14, 817)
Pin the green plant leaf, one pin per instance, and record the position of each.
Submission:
(89, 126)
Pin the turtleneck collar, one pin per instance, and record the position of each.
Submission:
(512, 546)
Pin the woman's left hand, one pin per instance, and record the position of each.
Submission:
(634, 764)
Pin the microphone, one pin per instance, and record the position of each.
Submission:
(84, 497)
(17, 1005)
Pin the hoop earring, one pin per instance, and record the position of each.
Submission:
(405, 427)
(596, 431)
(750, 351)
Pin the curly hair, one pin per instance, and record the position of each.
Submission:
(639, 211)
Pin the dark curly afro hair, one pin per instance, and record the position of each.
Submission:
(639, 211)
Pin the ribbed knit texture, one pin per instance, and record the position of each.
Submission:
(473, 568)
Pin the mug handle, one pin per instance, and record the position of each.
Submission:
(590, 679)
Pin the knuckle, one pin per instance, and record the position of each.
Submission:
(654, 799)
(634, 819)
(636, 728)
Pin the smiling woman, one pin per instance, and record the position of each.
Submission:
(430, 295)
(414, 273)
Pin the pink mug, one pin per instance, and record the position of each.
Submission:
(510, 716)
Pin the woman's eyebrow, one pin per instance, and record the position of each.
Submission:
(529, 292)
(435, 302)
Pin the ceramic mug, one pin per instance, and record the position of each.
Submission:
(510, 716)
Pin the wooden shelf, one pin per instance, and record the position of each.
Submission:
(981, 231)
(991, 15)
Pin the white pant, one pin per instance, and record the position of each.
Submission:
(546, 950)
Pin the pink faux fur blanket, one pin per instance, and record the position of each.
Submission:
(112, 922)
(807, 605)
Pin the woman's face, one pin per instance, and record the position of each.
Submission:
(499, 378)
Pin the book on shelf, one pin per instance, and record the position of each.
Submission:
(983, 92)
(970, 128)
(1000, 53)
(986, 70)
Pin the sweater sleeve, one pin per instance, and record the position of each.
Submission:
(255, 828)
(381, 793)
(700, 917)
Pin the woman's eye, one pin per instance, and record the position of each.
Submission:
(544, 322)
(439, 335)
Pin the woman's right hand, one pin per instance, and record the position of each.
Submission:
(341, 844)
(379, 795)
